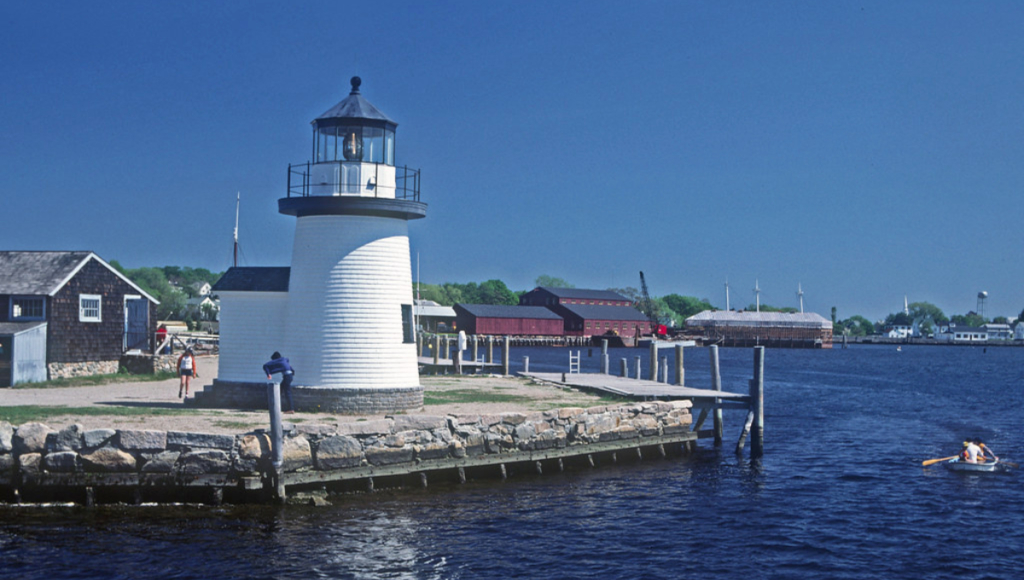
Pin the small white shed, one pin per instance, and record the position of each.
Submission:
(22, 353)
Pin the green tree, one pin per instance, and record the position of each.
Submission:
(857, 325)
(969, 319)
(496, 292)
(687, 306)
(1000, 320)
(551, 282)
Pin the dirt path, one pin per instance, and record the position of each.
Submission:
(155, 405)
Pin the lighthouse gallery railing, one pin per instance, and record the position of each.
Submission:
(407, 182)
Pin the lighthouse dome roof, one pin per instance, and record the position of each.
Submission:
(354, 108)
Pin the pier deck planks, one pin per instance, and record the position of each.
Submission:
(633, 388)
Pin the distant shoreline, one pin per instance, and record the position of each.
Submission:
(838, 340)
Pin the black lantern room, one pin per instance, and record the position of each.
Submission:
(354, 130)
(353, 169)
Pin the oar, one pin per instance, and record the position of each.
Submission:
(1010, 464)
(928, 462)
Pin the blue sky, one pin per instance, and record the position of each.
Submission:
(865, 150)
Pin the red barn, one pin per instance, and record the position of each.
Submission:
(507, 320)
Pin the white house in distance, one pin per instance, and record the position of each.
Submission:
(343, 311)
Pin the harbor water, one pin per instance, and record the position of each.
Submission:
(840, 493)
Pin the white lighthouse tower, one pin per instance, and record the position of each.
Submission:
(348, 327)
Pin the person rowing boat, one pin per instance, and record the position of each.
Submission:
(975, 451)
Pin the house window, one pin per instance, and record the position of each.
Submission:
(28, 308)
(90, 308)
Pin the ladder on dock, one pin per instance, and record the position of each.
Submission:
(574, 362)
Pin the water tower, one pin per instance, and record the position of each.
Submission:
(982, 297)
(349, 325)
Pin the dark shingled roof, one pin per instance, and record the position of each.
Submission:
(258, 279)
(44, 273)
(501, 311)
(37, 273)
(584, 294)
(595, 312)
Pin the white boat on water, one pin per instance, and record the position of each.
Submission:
(984, 467)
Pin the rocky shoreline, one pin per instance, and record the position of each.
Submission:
(39, 463)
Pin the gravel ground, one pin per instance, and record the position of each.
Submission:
(156, 406)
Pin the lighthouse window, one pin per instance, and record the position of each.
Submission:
(408, 333)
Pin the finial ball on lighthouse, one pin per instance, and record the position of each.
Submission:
(356, 81)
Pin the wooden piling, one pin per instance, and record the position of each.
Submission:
(757, 403)
(716, 385)
(604, 356)
(505, 355)
(653, 363)
(624, 370)
(679, 365)
(462, 473)
(277, 439)
(437, 348)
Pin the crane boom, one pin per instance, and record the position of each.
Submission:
(647, 307)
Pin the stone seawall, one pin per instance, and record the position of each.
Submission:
(349, 401)
(38, 463)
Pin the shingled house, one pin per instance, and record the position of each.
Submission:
(92, 313)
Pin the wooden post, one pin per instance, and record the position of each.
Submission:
(526, 365)
(540, 470)
(638, 368)
(653, 363)
(505, 355)
(504, 473)
(716, 385)
(743, 433)
(604, 356)
(437, 348)
(680, 371)
(664, 370)
(462, 474)
(476, 349)
(757, 403)
(423, 479)
(490, 350)
(277, 439)
(624, 371)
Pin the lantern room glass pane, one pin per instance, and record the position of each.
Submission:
(373, 144)
(389, 147)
